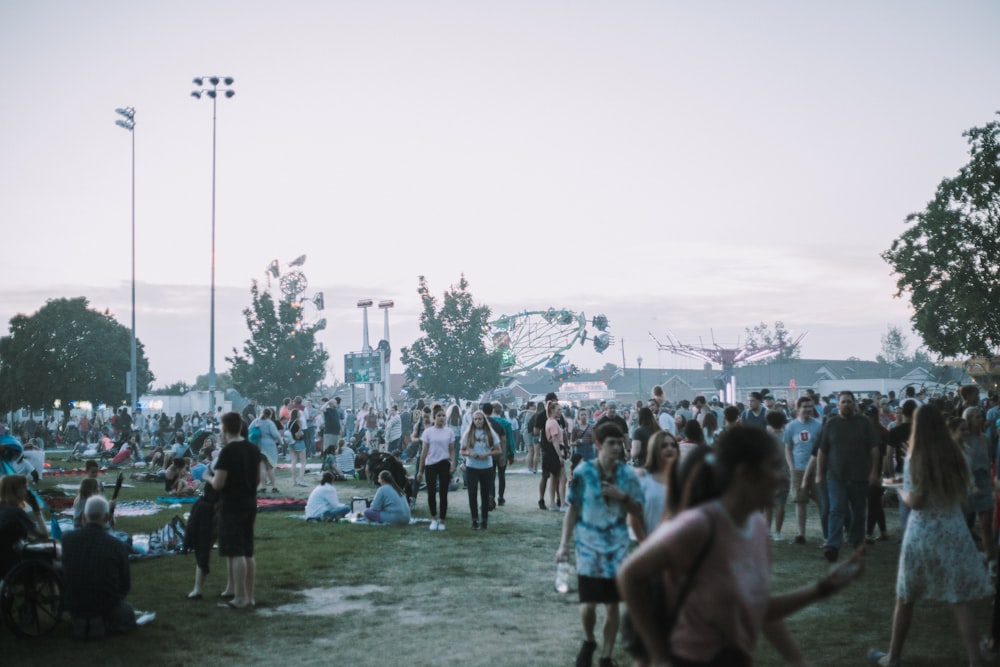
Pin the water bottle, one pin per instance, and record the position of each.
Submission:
(562, 577)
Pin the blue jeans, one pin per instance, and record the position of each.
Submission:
(844, 497)
(824, 506)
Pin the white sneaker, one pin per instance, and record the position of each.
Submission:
(434, 524)
(777, 536)
(440, 525)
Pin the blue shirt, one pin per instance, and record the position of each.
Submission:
(802, 436)
(601, 529)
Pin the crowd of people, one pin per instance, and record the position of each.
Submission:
(665, 476)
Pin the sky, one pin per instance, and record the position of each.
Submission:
(682, 168)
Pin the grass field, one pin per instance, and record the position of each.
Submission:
(362, 595)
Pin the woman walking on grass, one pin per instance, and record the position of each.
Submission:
(437, 458)
(661, 453)
(297, 450)
(479, 447)
(268, 445)
(723, 546)
(938, 559)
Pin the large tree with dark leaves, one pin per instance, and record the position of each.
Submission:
(68, 352)
(281, 357)
(948, 261)
(451, 359)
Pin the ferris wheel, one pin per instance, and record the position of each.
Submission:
(534, 338)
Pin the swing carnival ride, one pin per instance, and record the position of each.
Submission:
(727, 357)
(540, 338)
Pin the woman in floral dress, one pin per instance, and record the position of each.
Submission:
(938, 559)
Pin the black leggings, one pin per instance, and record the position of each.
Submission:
(438, 478)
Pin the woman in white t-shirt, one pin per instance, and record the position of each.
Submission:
(437, 459)
(323, 503)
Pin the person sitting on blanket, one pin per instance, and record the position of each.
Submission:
(330, 463)
(179, 481)
(389, 505)
(323, 503)
(123, 456)
(89, 486)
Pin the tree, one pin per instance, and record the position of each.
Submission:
(948, 261)
(894, 347)
(68, 352)
(223, 381)
(762, 336)
(176, 389)
(281, 357)
(451, 359)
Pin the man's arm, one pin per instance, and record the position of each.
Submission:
(820, 466)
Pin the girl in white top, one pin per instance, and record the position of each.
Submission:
(323, 503)
(437, 458)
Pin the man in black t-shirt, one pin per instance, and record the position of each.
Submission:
(611, 415)
(236, 476)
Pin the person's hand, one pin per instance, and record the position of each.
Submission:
(561, 553)
(874, 479)
(843, 574)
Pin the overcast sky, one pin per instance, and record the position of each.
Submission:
(682, 167)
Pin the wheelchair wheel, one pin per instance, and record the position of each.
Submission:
(31, 598)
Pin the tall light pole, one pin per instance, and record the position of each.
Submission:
(127, 121)
(385, 305)
(638, 362)
(213, 93)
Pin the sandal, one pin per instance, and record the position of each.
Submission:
(881, 658)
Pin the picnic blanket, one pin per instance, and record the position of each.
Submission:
(280, 504)
(170, 500)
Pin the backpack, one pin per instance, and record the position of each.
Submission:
(253, 434)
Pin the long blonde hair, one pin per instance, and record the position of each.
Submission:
(469, 438)
(937, 463)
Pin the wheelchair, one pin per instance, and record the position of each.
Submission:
(31, 593)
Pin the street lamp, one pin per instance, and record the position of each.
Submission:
(127, 121)
(385, 305)
(638, 362)
(213, 93)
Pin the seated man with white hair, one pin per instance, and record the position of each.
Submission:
(97, 576)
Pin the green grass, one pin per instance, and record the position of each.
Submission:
(453, 598)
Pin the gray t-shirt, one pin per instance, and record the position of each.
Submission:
(847, 444)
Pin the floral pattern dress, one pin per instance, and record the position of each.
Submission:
(938, 559)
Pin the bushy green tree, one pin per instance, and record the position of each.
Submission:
(762, 336)
(281, 357)
(451, 359)
(948, 261)
(68, 352)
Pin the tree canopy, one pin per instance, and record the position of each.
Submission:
(948, 261)
(451, 359)
(68, 352)
(762, 336)
(281, 357)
